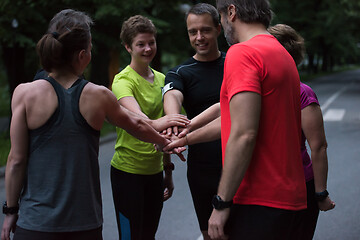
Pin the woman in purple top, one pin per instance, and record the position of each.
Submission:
(312, 125)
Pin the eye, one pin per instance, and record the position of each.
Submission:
(192, 32)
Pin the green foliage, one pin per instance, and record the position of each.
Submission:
(4, 96)
(4, 148)
(328, 26)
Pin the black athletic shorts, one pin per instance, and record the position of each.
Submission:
(23, 234)
(253, 222)
(203, 184)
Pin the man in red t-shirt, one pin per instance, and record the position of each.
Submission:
(260, 131)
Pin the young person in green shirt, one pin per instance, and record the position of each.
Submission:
(137, 168)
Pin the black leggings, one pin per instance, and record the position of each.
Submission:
(138, 201)
(310, 215)
(23, 234)
(203, 183)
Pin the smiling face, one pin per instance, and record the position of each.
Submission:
(143, 48)
(203, 36)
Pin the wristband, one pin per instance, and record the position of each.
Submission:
(10, 210)
(321, 196)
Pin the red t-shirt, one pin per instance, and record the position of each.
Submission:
(275, 177)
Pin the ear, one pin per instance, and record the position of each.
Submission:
(128, 48)
(218, 29)
(81, 54)
(231, 12)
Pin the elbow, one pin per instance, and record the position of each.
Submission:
(319, 147)
(16, 162)
(248, 138)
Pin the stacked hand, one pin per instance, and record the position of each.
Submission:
(176, 134)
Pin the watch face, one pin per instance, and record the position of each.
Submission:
(215, 202)
(219, 204)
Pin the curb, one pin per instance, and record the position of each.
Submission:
(108, 138)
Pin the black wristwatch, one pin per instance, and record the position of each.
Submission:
(219, 204)
(10, 210)
(321, 196)
(169, 166)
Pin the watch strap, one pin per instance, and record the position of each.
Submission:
(219, 204)
(10, 210)
(321, 196)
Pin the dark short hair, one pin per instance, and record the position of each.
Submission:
(204, 8)
(291, 40)
(248, 11)
(135, 25)
(68, 32)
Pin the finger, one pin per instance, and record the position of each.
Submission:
(182, 158)
(169, 131)
(175, 130)
(221, 232)
(166, 195)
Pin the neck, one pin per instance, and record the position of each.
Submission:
(246, 31)
(142, 70)
(64, 78)
(209, 57)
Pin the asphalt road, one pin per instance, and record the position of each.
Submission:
(339, 96)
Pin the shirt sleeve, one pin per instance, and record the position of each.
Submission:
(122, 86)
(175, 79)
(242, 71)
(307, 96)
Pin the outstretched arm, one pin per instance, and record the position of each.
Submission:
(132, 123)
(173, 100)
(160, 124)
(313, 127)
(207, 133)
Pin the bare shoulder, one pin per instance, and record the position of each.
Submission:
(32, 90)
(97, 92)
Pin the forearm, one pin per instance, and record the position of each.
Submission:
(207, 133)
(320, 168)
(173, 102)
(238, 156)
(205, 117)
(14, 179)
(166, 163)
(140, 129)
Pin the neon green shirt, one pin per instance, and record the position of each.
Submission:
(132, 155)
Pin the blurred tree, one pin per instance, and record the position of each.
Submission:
(328, 26)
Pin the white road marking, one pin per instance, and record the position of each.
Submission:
(332, 98)
(334, 114)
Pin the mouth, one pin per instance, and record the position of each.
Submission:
(201, 45)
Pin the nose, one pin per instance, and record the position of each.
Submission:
(147, 47)
(199, 35)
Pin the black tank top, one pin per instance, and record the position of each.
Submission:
(62, 186)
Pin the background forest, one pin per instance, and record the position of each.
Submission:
(330, 29)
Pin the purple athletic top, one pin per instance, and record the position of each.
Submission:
(307, 97)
